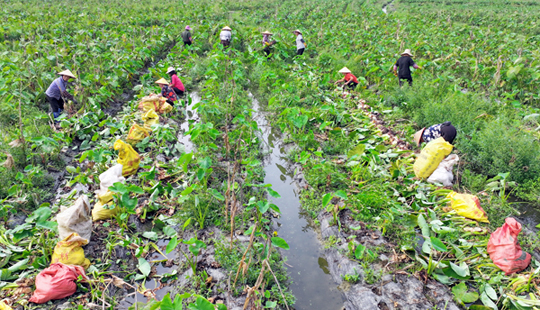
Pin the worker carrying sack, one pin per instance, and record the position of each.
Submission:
(504, 250)
(430, 157)
(75, 219)
(127, 157)
(443, 174)
(468, 206)
(70, 252)
(136, 134)
(56, 282)
(150, 118)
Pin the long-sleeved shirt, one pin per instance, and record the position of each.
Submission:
(266, 40)
(168, 93)
(56, 88)
(225, 35)
(177, 83)
(300, 42)
(404, 63)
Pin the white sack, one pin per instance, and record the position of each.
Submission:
(75, 219)
(443, 173)
(109, 177)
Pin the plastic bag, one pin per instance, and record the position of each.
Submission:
(137, 133)
(150, 102)
(468, 206)
(56, 282)
(443, 174)
(3, 306)
(504, 250)
(109, 177)
(70, 252)
(150, 118)
(165, 108)
(127, 157)
(99, 212)
(76, 219)
(431, 156)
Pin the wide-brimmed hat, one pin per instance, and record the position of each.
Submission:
(67, 73)
(227, 28)
(345, 70)
(170, 69)
(418, 136)
(267, 32)
(300, 32)
(162, 81)
(407, 52)
(188, 28)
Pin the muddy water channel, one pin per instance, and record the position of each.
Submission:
(312, 284)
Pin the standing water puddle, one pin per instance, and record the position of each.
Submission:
(312, 284)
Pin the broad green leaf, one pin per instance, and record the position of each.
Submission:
(201, 304)
(451, 273)
(358, 150)
(280, 243)
(173, 243)
(423, 226)
(216, 194)
(326, 199)
(273, 193)
(150, 235)
(169, 231)
(144, 267)
(359, 251)
(490, 292)
(341, 194)
(462, 270)
(201, 173)
(444, 279)
(461, 294)
(487, 301)
(438, 245)
(270, 304)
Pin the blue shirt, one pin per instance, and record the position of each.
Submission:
(56, 88)
(432, 133)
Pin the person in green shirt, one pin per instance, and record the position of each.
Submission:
(186, 36)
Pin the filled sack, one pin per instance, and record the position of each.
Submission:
(127, 157)
(468, 206)
(150, 118)
(151, 102)
(70, 252)
(111, 176)
(504, 249)
(430, 157)
(443, 174)
(102, 209)
(136, 134)
(56, 282)
(76, 219)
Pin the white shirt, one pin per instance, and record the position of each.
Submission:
(300, 42)
(225, 35)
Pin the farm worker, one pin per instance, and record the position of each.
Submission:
(176, 84)
(167, 91)
(186, 36)
(350, 80)
(225, 36)
(266, 42)
(404, 63)
(300, 43)
(445, 130)
(56, 93)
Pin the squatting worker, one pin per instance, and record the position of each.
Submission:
(300, 43)
(167, 91)
(267, 43)
(225, 36)
(404, 63)
(445, 130)
(350, 80)
(57, 92)
(176, 84)
(186, 36)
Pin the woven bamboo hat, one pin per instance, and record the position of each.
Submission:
(345, 70)
(227, 28)
(268, 33)
(418, 136)
(407, 52)
(162, 81)
(170, 69)
(67, 73)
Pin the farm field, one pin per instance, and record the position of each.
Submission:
(266, 186)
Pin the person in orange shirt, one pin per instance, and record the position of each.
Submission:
(350, 80)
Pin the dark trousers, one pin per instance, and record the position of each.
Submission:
(267, 51)
(405, 79)
(351, 85)
(57, 105)
(225, 43)
(187, 43)
(300, 51)
(178, 92)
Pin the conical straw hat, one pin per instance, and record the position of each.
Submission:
(162, 81)
(345, 70)
(227, 28)
(267, 32)
(407, 52)
(67, 73)
(418, 136)
(300, 32)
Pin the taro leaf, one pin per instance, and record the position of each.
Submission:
(341, 194)
(423, 226)
(358, 150)
(426, 246)
(461, 294)
(40, 215)
(487, 301)
(273, 193)
(201, 173)
(444, 279)
(118, 188)
(451, 273)
(71, 169)
(205, 163)
(166, 303)
(479, 307)
(359, 251)
(326, 199)
(490, 292)
(150, 235)
(300, 121)
(135, 189)
(462, 270)
(127, 202)
(171, 245)
(144, 267)
(216, 194)
(201, 304)
(196, 246)
(270, 304)
(169, 231)
(280, 243)
(438, 245)
(275, 208)
(263, 206)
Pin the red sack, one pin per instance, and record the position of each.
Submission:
(504, 249)
(56, 282)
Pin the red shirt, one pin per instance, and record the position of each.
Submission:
(177, 83)
(350, 76)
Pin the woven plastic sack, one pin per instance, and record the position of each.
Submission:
(137, 133)
(443, 174)
(150, 102)
(109, 177)
(127, 157)
(76, 219)
(165, 108)
(468, 206)
(431, 156)
(56, 282)
(100, 212)
(150, 118)
(504, 250)
(70, 252)
(3, 306)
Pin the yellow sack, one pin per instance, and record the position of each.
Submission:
(430, 157)
(137, 133)
(99, 212)
(165, 108)
(70, 252)
(151, 102)
(468, 206)
(150, 118)
(3, 306)
(127, 157)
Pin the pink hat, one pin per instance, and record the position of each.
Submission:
(188, 28)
